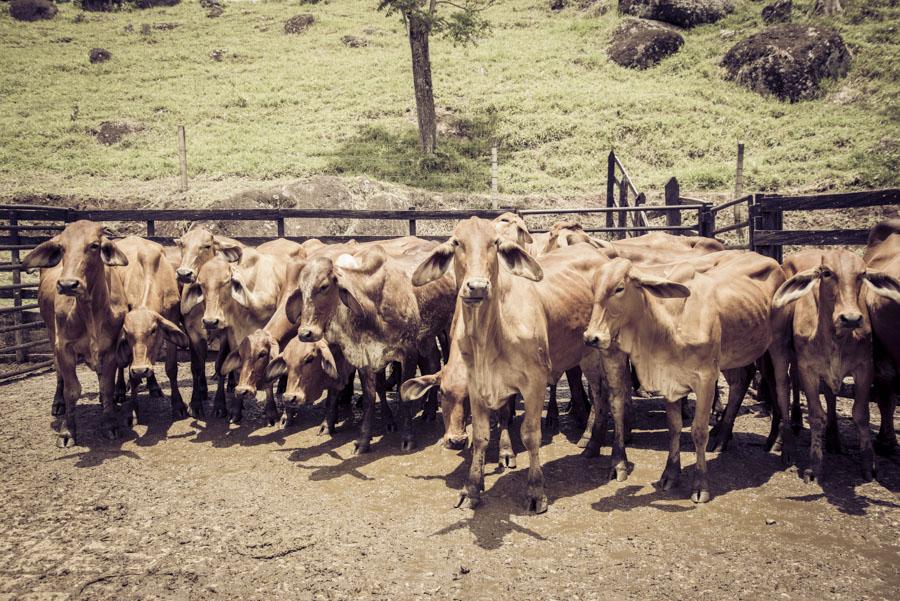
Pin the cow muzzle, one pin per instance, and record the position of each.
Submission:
(291, 400)
(185, 275)
(140, 372)
(475, 290)
(598, 340)
(849, 320)
(212, 324)
(309, 334)
(70, 287)
(244, 392)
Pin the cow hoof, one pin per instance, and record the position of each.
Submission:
(220, 412)
(58, 409)
(390, 426)
(286, 421)
(133, 418)
(360, 447)
(196, 410)
(508, 460)
(618, 473)
(787, 458)
(885, 448)
(112, 433)
(809, 476)
(464, 501)
(179, 411)
(551, 424)
(65, 441)
(590, 451)
(868, 473)
(325, 429)
(455, 444)
(700, 496)
(537, 504)
(407, 444)
(668, 480)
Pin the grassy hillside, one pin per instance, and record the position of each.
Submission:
(281, 106)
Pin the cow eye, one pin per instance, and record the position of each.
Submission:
(826, 273)
(324, 287)
(309, 359)
(454, 242)
(95, 246)
(262, 354)
(620, 289)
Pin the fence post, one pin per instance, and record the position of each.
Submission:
(151, 228)
(739, 190)
(623, 215)
(279, 226)
(494, 177)
(770, 220)
(673, 218)
(182, 156)
(19, 338)
(751, 223)
(706, 221)
(412, 223)
(610, 186)
(639, 218)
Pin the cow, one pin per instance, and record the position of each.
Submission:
(151, 293)
(678, 337)
(82, 302)
(883, 255)
(823, 305)
(364, 304)
(515, 331)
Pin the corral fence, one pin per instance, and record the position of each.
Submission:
(24, 343)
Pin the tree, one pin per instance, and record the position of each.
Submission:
(457, 20)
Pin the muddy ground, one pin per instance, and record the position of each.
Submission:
(197, 510)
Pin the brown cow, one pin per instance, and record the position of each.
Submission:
(823, 305)
(82, 301)
(151, 292)
(516, 330)
(677, 345)
(364, 304)
(883, 255)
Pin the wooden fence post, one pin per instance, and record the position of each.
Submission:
(673, 218)
(494, 177)
(638, 217)
(151, 228)
(279, 226)
(412, 223)
(623, 215)
(706, 221)
(739, 191)
(610, 186)
(19, 338)
(182, 156)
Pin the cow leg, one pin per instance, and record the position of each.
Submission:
(59, 400)
(282, 386)
(179, 410)
(551, 423)
(796, 411)
(331, 406)
(120, 385)
(387, 416)
(618, 382)
(672, 473)
(470, 495)
(706, 392)
(810, 383)
(594, 436)
(832, 436)
(153, 387)
(579, 406)
(271, 409)
(536, 499)
(862, 378)
(444, 342)
(886, 441)
(454, 407)
(66, 437)
(429, 363)
(198, 378)
(407, 438)
(234, 409)
(506, 414)
(781, 426)
(107, 377)
(738, 382)
(134, 408)
(369, 385)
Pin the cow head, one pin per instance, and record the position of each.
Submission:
(198, 246)
(213, 289)
(619, 300)
(141, 339)
(512, 227)
(252, 358)
(310, 368)
(83, 249)
(323, 284)
(840, 277)
(476, 251)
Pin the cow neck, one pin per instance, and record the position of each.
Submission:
(656, 325)
(484, 323)
(96, 310)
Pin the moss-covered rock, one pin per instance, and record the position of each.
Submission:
(638, 44)
(684, 13)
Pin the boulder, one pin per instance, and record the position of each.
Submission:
(684, 13)
(777, 12)
(352, 41)
(558, 4)
(638, 44)
(112, 132)
(299, 23)
(788, 61)
(32, 10)
(155, 3)
(99, 55)
(100, 5)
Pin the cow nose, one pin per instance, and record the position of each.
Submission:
(289, 398)
(244, 391)
(210, 324)
(67, 286)
(306, 334)
(851, 320)
(478, 285)
(185, 275)
(140, 372)
(592, 340)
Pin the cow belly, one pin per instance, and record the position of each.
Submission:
(665, 376)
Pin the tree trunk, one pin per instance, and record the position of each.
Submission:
(828, 7)
(419, 30)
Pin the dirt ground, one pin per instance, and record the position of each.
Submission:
(201, 510)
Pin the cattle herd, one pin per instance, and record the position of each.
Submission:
(475, 323)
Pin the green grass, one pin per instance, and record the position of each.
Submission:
(282, 106)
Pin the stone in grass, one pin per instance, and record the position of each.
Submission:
(112, 132)
(99, 55)
(299, 23)
(32, 10)
(639, 44)
(684, 13)
(352, 41)
(777, 12)
(155, 3)
(788, 61)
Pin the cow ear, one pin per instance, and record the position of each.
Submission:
(660, 287)
(276, 368)
(123, 352)
(173, 333)
(416, 388)
(883, 284)
(231, 362)
(435, 264)
(795, 287)
(46, 254)
(293, 306)
(522, 235)
(518, 261)
(239, 292)
(191, 297)
(349, 299)
(228, 251)
(602, 245)
(111, 255)
(328, 364)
